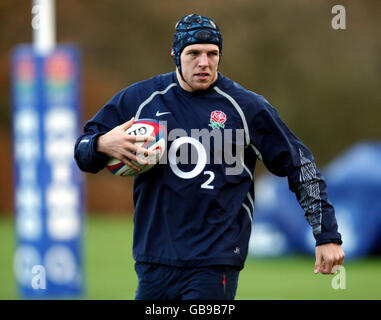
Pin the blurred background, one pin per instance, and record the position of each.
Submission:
(323, 82)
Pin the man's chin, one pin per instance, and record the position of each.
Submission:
(201, 86)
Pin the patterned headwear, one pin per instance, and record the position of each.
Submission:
(193, 29)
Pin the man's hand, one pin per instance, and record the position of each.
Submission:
(329, 257)
(117, 144)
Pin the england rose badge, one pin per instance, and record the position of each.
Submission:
(217, 119)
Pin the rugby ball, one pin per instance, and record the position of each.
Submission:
(142, 127)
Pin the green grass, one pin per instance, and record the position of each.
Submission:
(293, 278)
(110, 269)
(7, 282)
(110, 266)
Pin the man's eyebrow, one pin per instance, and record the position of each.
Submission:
(200, 50)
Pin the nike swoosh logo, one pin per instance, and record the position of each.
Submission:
(158, 114)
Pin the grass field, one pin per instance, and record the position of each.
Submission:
(109, 269)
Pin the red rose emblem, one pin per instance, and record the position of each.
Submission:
(218, 116)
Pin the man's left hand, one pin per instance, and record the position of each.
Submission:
(329, 257)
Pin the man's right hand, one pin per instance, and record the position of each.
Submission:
(117, 144)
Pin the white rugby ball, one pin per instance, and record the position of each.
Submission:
(143, 127)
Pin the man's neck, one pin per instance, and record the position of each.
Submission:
(184, 84)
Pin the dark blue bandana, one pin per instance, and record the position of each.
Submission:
(193, 29)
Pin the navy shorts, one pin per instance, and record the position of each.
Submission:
(162, 282)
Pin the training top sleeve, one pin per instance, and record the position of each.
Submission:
(286, 156)
(113, 113)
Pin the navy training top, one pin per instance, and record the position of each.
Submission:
(196, 208)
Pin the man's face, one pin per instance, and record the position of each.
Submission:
(199, 64)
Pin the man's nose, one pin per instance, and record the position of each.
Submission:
(203, 62)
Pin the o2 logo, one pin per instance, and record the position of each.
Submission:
(228, 151)
(200, 165)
